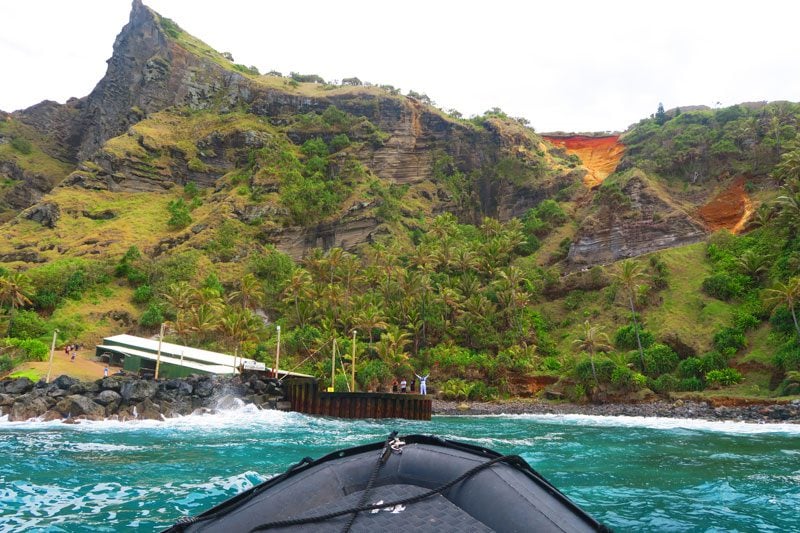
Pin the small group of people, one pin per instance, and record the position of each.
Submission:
(403, 384)
(71, 351)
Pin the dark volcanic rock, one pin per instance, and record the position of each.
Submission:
(45, 213)
(19, 386)
(65, 382)
(135, 391)
(107, 396)
(77, 405)
(26, 407)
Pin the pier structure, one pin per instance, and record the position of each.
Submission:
(306, 397)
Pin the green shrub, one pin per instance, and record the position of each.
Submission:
(787, 358)
(659, 359)
(373, 374)
(143, 294)
(729, 337)
(340, 142)
(724, 377)
(179, 216)
(152, 317)
(624, 378)
(27, 325)
(480, 392)
(782, 321)
(21, 145)
(456, 389)
(625, 338)
(664, 383)
(191, 189)
(692, 384)
(6, 363)
(45, 299)
(35, 350)
(691, 367)
(341, 383)
(714, 361)
(744, 321)
(725, 286)
(550, 364)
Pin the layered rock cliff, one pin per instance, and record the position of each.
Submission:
(138, 133)
(632, 220)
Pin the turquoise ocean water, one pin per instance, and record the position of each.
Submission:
(633, 474)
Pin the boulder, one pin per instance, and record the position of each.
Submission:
(107, 397)
(148, 410)
(65, 382)
(27, 407)
(6, 400)
(50, 415)
(19, 386)
(45, 213)
(204, 388)
(138, 390)
(77, 388)
(111, 384)
(77, 405)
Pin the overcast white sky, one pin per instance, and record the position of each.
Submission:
(573, 66)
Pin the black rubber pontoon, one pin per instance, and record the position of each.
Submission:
(417, 483)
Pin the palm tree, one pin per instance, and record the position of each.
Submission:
(391, 348)
(629, 275)
(204, 320)
(369, 319)
(179, 296)
(753, 264)
(251, 291)
(592, 339)
(788, 294)
(14, 290)
(297, 290)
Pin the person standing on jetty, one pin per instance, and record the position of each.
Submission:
(423, 387)
(403, 385)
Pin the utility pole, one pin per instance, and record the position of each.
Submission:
(353, 363)
(52, 351)
(278, 353)
(158, 356)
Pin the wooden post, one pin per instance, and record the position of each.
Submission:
(353, 362)
(235, 353)
(158, 356)
(52, 351)
(333, 365)
(278, 353)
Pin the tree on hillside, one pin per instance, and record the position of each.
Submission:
(629, 275)
(14, 291)
(661, 115)
(592, 339)
(787, 294)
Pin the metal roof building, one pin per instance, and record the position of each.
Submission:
(137, 354)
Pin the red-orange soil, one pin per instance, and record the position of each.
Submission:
(600, 155)
(729, 209)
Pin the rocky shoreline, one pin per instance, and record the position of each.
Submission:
(755, 413)
(129, 398)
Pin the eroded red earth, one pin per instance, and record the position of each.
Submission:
(600, 155)
(730, 209)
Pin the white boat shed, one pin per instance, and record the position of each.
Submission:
(138, 354)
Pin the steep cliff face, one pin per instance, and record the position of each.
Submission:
(641, 220)
(138, 133)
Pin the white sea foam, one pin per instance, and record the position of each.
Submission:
(662, 423)
(238, 417)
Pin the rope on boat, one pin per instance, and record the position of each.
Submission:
(413, 499)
